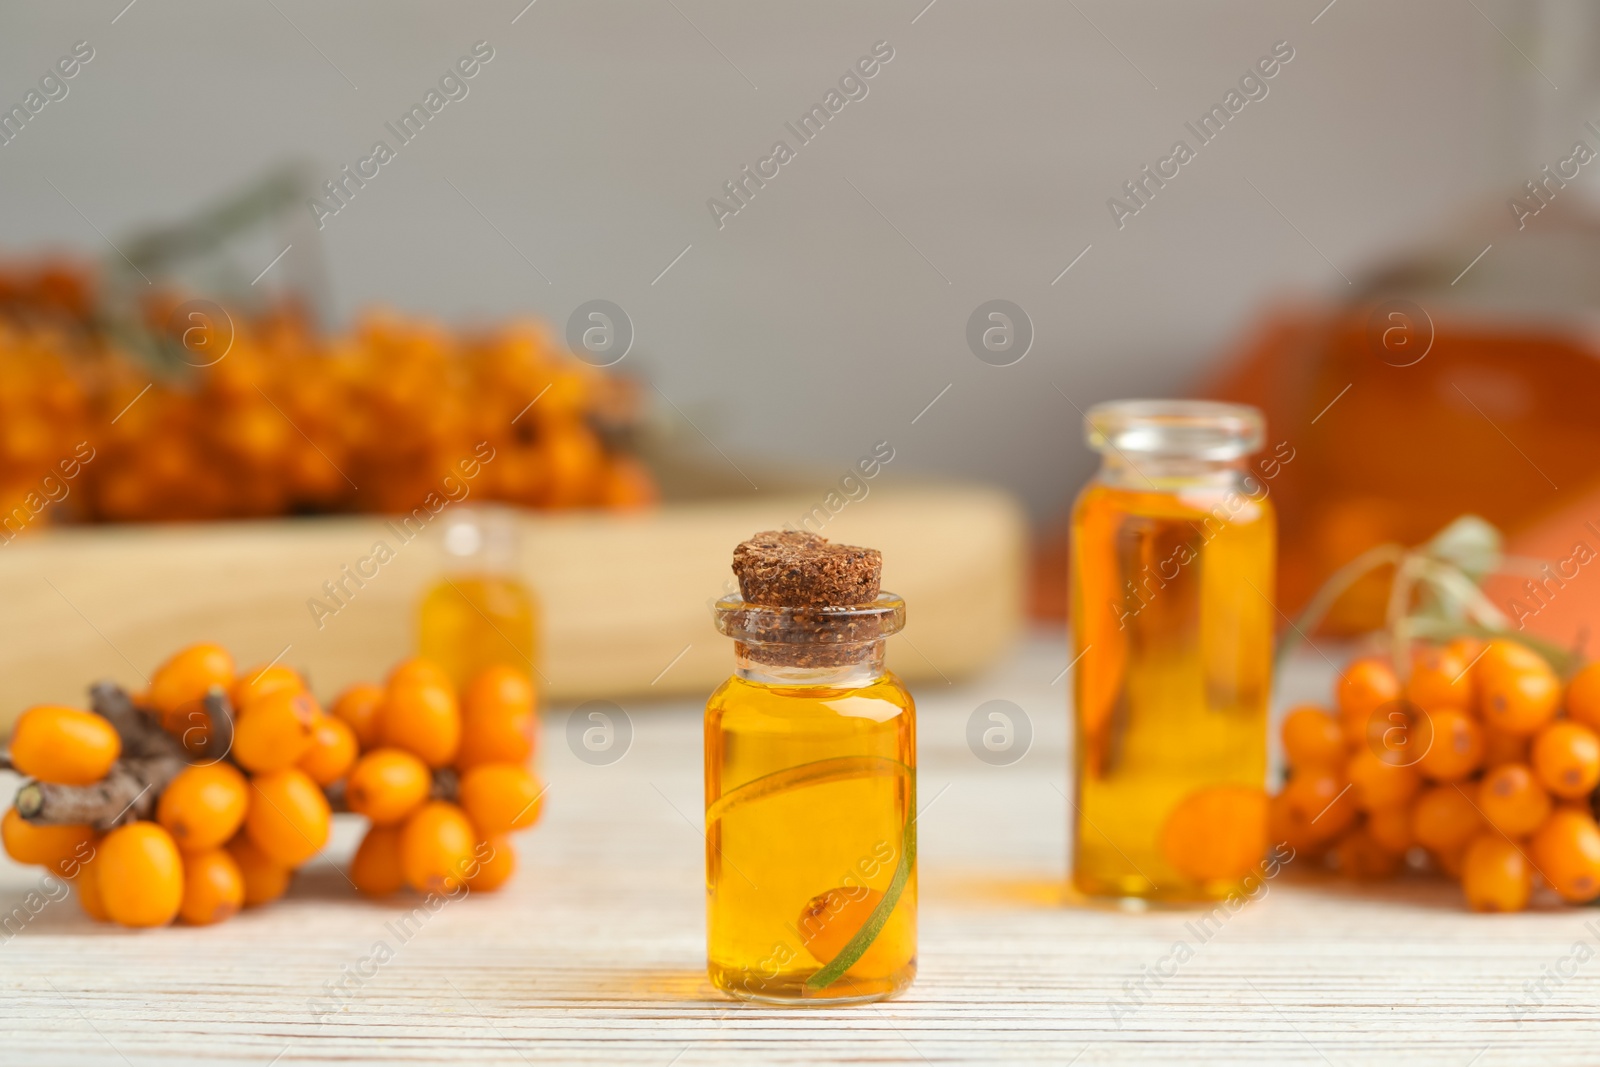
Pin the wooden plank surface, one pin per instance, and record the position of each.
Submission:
(595, 953)
(623, 597)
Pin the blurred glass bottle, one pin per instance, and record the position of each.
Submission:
(1172, 619)
(479, 613)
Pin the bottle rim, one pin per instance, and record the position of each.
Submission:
(1198, 429)
(842, 625)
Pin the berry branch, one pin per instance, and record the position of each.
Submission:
(150, 759)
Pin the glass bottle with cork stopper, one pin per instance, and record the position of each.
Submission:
(810, 767)
(479, 613)
(1173, 546)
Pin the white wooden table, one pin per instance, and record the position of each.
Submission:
(595, 953)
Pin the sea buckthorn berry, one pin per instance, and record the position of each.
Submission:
(1440, 679)
(140, 875)
(64, 745)
(213, 888)
(89, 896)
(289, 818)
(62, 849)
(1583, 696)
(436, 845)
(499, 721)
(1566, 851)
(423, 719)
(1466, 649)
(375, 869)
(1512, 799)
(498, 687)
(418, 671)
(257, 682)
(1366, 685)
(1495, 875)
(1317, 806)
(358, 707)
(1566, 757)
(276, 731)
(184, 679)
(1399, 733)
(497, 737)
(1457, 748)
(495, 862)
(828, 922)
(1444, 819)
(1216, 833)
(1390, 829)
(332, 751)
(265, 879)
(1500, 748)
(1517, 690)
(1313, 738)
(502, 797)
(386, 785)
(204, 806)
(1362, 858)
(1377, 784)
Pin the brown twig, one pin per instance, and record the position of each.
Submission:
(446, 785)
(219, 713)
(127, 794)
(142, 736)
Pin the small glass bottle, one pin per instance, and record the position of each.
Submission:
(479, 613)
(1172, 619)
(810, 764)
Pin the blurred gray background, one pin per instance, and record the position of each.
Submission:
(827, 314)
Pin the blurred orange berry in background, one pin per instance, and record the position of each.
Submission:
(289, 420)
(1495, 874)
(1517, 690)
(1513, 801)
(357, 707)
(1312, 738)
(1366, 685)
(1218, 833)
(265, 879)
(1566, 851)
(1566, 757)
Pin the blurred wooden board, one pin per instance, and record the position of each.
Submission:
(626, 599)
(595, 953)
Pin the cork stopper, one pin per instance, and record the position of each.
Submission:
(808, 605)
(798, 569)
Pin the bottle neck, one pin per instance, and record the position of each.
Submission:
(843, 666)
(1166, 473)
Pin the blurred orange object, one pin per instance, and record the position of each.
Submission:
(178, 414)
(1490, 419)
(1462, 378)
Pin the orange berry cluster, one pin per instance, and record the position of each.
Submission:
(415, 733)
(1480, 764)
(230, 831)
(264, 416)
